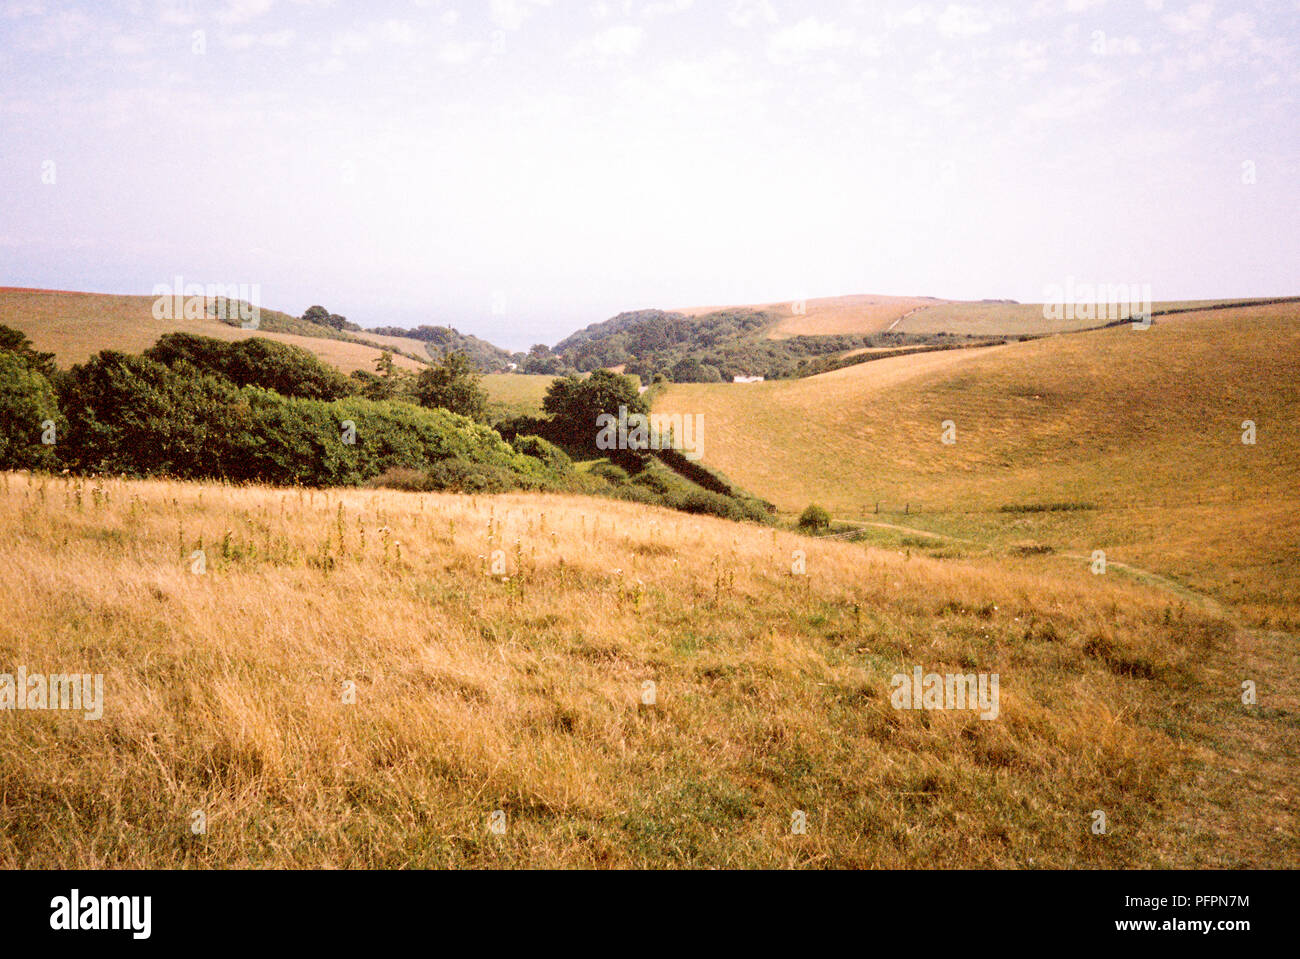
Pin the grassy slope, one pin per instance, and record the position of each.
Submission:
(515, 394)
(1145, 425)
(477, 693)
(843, 314)
(75, 326)
(1011, 319)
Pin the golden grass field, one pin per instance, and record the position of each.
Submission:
(76, 326)
(524, 693)
(844, 314)
(1013, 319)
(1146, 426)
(865, 314)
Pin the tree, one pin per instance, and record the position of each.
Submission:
(30, 422)
(256, 361)
(316, 314)
(15, 341)
(575, 405)
(453, 385)
(323, 317)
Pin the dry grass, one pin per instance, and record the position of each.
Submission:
(1011, 319)
(523, 692)
(1143, 425)
(844, 315)
(75, 326)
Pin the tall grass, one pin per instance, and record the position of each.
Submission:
(499, 649)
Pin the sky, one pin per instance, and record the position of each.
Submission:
(520, 169)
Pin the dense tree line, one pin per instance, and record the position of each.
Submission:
(711, 348)
(442, 341)
(256, 410)
(252, 410)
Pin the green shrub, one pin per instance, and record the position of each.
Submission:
(655, 480)
(402, 478)
(28, 406)
(464, 476)
(550, 455)
(638, 494)
(814, 519)
(609, 472)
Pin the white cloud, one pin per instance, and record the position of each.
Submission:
(1192, 20)
(660, 8)
(745, 13)
(511, 14)
(807, 38)
(962, 21)
(457, 53)
(241, 11)
(611, 44)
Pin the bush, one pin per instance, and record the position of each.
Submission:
(464, 476)
(814, 519)
(638, 494)
(551, 456)
(654, 480)
(27, 404)
(608, 471)
(402, 478)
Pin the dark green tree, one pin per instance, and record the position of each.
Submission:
(31, 426)
(575, 405)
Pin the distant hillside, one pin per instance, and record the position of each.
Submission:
(801, 338)
(832, 316)
(75, 326)
(709, 347)
(437, 341)
(1123, 440)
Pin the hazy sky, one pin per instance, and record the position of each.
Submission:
(521, 168)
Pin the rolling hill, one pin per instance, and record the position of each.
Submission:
(1124, 440)
(75, 326)
(830, 316)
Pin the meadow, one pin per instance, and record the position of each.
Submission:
(363, 678)
(514, 394)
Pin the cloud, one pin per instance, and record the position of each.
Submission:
(611, 44)
(660, 8)
(241, 11)
(278, 39)
(962, 21)
(511, 14)
(1192, 20)
(457, 53)
(745, 13)
(807, 38)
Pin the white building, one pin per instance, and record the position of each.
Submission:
(747, 379)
